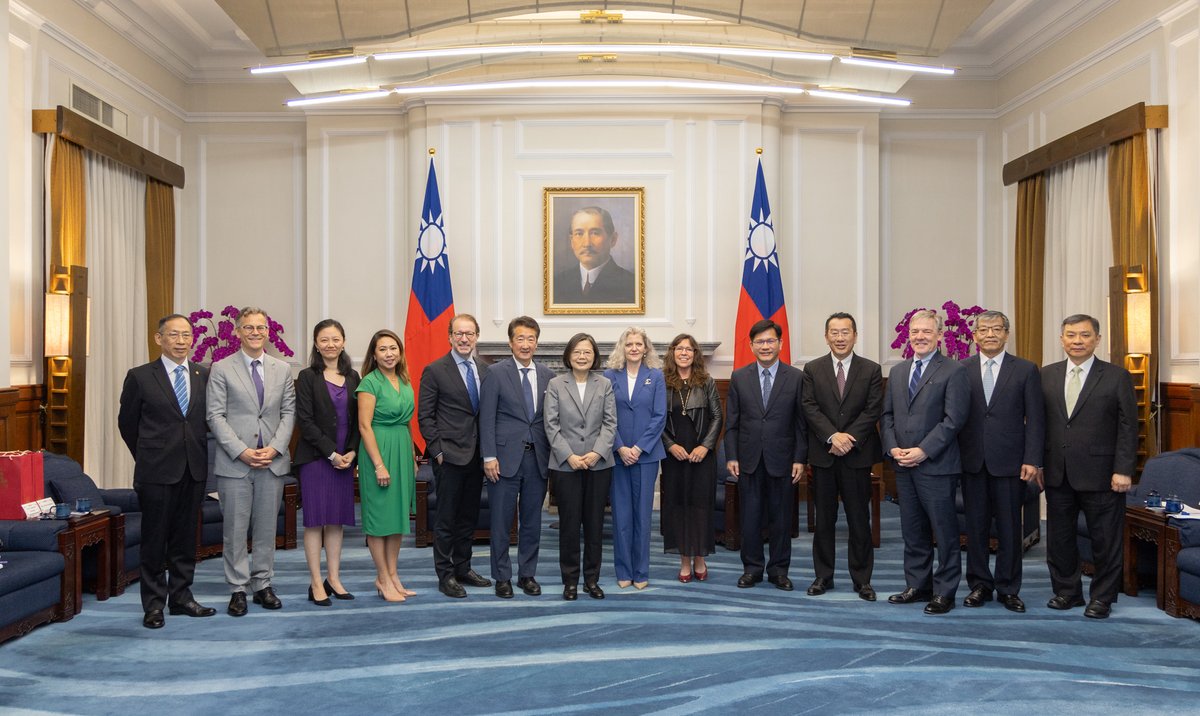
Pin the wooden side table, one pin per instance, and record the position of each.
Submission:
(1143, 525)
(89, 530)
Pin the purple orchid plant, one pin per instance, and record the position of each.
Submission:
(218, 340)
(958, 335)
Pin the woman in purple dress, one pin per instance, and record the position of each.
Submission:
(327, 413)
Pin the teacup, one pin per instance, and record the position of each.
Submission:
(83, 504)
(1154, 499)
(62, 511)
(1174, 505)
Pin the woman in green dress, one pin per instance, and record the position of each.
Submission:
(386, 480)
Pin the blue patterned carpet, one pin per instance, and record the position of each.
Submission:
(672, 649)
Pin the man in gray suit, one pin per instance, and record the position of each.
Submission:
(251, 411)
(927, 402)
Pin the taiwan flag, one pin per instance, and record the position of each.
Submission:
(431, 303)
(762, 287)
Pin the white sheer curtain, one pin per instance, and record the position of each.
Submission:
(1078, 248)
(116, 245)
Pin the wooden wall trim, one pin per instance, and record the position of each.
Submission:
(80, 130)
(21, 417)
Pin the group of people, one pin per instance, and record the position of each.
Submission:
(993, 423)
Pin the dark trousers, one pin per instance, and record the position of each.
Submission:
(773, 497)
(989, 499)
(581, 496)
(854, 486)
(522, 493)
(459, 489)
(1104, 512)
(168, 549)
(927, 511)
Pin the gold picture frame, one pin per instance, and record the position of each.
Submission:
(600, 231)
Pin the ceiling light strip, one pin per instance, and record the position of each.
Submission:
(310, 65)
(603, 48)
(894, 65)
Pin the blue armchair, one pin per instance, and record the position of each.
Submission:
(37, 583)
(1177, 473)
(66, 481)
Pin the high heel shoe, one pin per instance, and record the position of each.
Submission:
(383, 595)
(701, 576)
(623, 583)
(685, 578)
(641, 585)
(335, 594)
(319, 602)
(400, 588)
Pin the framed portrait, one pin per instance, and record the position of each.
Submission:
(593, 250)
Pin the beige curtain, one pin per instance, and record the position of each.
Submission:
(68, 213)
(1030, 266)
(160, 255)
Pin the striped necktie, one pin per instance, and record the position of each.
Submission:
(181, 390)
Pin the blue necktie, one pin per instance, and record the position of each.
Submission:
(472, 389)
(181, 390)
(766, 387)
(258, 381)
(527, 389)
(989, 381)
(914, 381)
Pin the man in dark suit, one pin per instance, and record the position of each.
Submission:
(516, 452)
(766, 446)
(597, 278)
(447, 412)
(1001, 447)
(925, 406)
(162, 421)
(1091, 453)
(843, 399)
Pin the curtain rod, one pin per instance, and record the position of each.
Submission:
(80, 130)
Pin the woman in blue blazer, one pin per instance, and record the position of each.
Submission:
(641, 397)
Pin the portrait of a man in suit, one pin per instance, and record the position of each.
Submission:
(593, 251)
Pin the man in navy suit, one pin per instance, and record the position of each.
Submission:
(1001, 448)
(1091, 453)
(766, 445)
(162, 421)
(843, 398)
(516, 452)
(926, 406)
(447, 413)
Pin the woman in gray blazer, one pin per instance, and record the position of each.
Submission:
(581, 420)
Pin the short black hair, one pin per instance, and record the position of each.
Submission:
(1080, 318)
(163, 321)
(523, 322)
(576, 340)
(839, 316)
(766, 324)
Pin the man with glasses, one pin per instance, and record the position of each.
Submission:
(251, 411)
(447, 412)
(924, 408)
(1001, 447)
(161, 420)
(766, 447)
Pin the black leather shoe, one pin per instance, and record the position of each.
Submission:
(570, 592)
(747, 581)
(819, 587)
(153, 619)
(865, 592)
(237, 604)
(910, 595)
(329, 590)
(326, 602)
(530, 586)
(266, 597)
(504, 590)
(977, 597)
(192, 609)
(451, 588)
(1097, 609)
(939, 605)
(1062, 602)
(474, 579)
(1012, 603)
(782, 582)
(594, 591)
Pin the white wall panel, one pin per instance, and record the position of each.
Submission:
(24, 254)
(1179, 248)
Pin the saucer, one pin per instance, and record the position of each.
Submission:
(1157, 510)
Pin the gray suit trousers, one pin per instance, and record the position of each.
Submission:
(250, 504)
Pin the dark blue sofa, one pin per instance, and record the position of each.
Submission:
(37, 582)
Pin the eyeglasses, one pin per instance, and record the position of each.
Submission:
(990, 330)
(254, 329)
(684, 349)
(764, 342)
(177, 335)
(464, 334)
